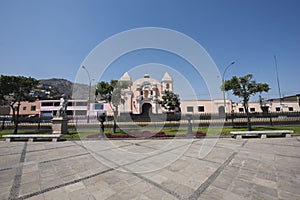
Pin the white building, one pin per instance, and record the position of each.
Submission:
(144, 93)
(48, 108)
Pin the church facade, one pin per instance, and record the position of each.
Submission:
(144, 94)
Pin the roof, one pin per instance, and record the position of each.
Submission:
(126, 77)
(167, 77)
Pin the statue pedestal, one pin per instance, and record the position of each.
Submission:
(59, 125)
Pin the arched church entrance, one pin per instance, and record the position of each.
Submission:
(146, 109)
(221, 111)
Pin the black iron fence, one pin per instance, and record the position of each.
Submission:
(169, 120)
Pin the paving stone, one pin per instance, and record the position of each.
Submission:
(170, 184)
(157, 178)
(213, 193)
(103, 193)
(289, 187)
(223, 181)
(59, 193)
(156, 193)
(265, 190)
(264, 182)
(31, 168)
(261, 196)
(241, 187)
(4, 195)
(142, 187)
(80, 194)
(74, 187)
(234, 169)
(119, 186)
(41, 197)
(184, 190)
(246, 175)
(266, 175)
(127, 193)
(29, 187)
(141, 197)
(287, 195)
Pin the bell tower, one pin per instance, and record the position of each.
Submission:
(126, 106)
(167, 82)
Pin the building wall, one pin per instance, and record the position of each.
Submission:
(289, 106)
(28, 108)
(204, 106)
(4, 110)
(75, 107)
(49, 107)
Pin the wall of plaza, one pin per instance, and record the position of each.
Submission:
(48, 108)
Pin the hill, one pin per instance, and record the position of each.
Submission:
(57, 87)
(53, 89)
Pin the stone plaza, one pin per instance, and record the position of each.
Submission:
(251, 168)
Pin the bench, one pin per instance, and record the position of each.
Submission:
(262, 134)
(30, 137)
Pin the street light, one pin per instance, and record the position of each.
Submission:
(89, 98)
(223, 84)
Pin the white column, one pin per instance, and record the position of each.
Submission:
(138, 107)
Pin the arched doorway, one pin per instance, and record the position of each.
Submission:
(221, 111)
(146, 109)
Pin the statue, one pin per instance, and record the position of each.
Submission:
(101, 116)
(62, 109)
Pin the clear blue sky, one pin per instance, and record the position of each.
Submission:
(51, 38)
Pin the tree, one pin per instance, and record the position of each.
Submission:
(112, 93)
(170, 101)
(13, 90)
(244, 87)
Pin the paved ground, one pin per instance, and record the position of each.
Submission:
(151, 169)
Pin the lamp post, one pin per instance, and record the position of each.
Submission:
(89, 98)
(223, 82)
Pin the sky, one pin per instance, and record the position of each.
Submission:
(53, 39)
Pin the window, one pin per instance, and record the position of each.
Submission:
(252, 109)
(241, 109)
(33, 108)
(190, 109)
(200, 108)
(47, 104)
(24, 108)
(45, 114)
(98, 106)
(69, 112)
(146, 93)
(291, 109)
(81, 103)
(80, 112)
(167, 86)
(277, 109)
